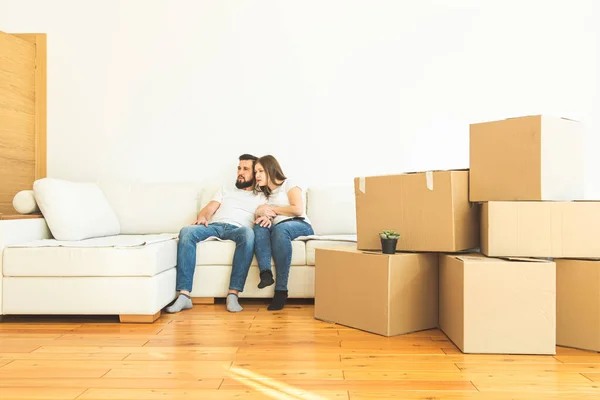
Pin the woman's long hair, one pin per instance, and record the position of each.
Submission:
(273, 173)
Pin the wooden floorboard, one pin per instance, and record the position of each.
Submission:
(209, 353)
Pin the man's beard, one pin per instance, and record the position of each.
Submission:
(244, 184)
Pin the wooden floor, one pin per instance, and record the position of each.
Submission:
(208, 353)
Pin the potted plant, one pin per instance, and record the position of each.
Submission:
(389, 239)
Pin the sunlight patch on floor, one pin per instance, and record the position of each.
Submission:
(271, 387)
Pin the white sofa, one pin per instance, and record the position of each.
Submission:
(131, 272)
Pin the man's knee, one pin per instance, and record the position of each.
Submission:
(185, 232)
(193, 233)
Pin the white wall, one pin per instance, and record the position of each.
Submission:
(176, 90)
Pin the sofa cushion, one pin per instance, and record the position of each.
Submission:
(311, 245)
(220, 252)
(332, 210)
(150, 208)
(48, 260)
(75, 210)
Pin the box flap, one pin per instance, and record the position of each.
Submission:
(524, 116)
(524, 259)
(373, 252)
(467, 258)
(482, 258)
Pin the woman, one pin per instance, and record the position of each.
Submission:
(278, 222)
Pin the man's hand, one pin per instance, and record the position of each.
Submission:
(201, 220)
(263, 221)
(265, 210)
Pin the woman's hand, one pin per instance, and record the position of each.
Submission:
(263, 221)
(265, 210)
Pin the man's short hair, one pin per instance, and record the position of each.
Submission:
(245, 157)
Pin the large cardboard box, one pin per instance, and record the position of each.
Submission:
(384, 294)
(541, 229)
(527, 158)
(578, 304)
(430, 210)
(498, 306)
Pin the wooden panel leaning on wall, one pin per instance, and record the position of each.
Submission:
(22, 114)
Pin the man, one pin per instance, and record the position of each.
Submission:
(231, 216)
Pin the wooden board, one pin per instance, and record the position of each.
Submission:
(17, 118)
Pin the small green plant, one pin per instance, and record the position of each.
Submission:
(389, 234)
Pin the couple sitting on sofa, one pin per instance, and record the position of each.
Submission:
(262, 214)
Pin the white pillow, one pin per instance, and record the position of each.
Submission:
(75, 211)
(24, 202)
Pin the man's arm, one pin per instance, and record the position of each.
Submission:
(207, 213)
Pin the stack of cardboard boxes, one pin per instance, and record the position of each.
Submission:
(477, 251)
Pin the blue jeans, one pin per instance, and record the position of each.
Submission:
(190, 236)
(277, 240)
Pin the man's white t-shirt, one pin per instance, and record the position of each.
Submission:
(279, 198)
(237, 206)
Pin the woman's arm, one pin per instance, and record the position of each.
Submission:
(296, 207)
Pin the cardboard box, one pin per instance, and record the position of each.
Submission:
(541, 229)
(527, 158)
(578, 304)
(430, 210)
(384, 294)
(498, 306)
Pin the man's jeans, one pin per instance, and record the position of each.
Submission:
(189, 237)
(277, 240)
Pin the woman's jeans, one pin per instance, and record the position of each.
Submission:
(276, 242)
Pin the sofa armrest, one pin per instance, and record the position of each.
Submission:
(17, 231)
(22, 230)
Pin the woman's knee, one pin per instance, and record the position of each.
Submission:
(280, 240)
(280, 234)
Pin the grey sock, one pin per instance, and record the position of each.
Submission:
(232, 303)
(183, 302)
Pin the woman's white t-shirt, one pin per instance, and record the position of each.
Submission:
(279, 198)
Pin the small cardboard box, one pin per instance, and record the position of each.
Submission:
(430, 210)
(379, 293)
(498, 306)
(578, 304)
(541, 229)
(527, 158)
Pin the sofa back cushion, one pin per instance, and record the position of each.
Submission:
(332, 210)
(206, 194)
(75, 210)
(150, 208)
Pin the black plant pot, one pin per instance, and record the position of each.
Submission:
(388, 246)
